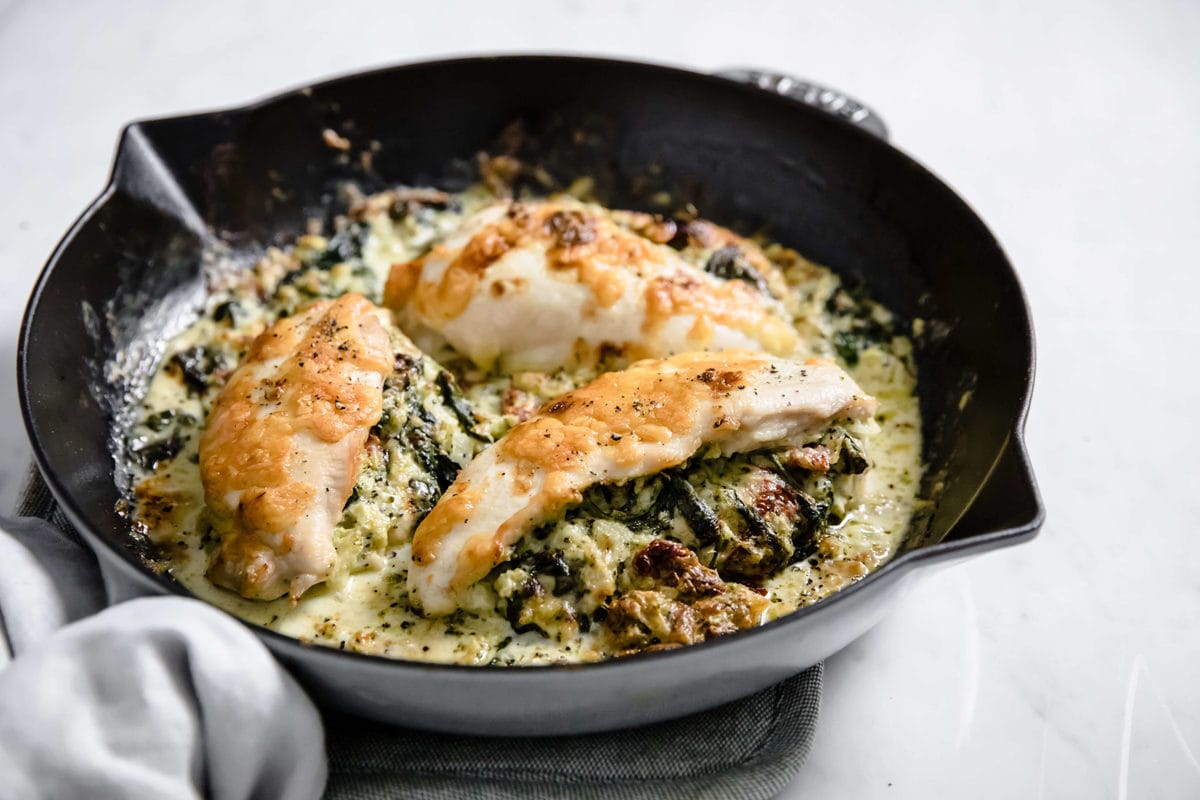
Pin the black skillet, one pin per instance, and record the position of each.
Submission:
(808, 164)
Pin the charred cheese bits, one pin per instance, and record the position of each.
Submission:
(281, 451)
(546, 284)
(655, 415)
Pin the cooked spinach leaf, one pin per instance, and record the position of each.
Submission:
(730, 263)
(452, 397)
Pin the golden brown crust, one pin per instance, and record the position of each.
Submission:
(610, 261)
(402, 281)
(617, 411)
(642, 420)
(734, 304)
(300, 386)
(575, 240)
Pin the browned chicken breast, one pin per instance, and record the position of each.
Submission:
(655, 415)
(540, 285)
(281, 452)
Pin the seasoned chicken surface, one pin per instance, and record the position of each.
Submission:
(540, 285)
(281, 452)
(591, 565)
(652, 416)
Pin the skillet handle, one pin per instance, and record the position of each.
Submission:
(1009, 504)
(828, 100)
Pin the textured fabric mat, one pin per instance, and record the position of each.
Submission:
(747, 749)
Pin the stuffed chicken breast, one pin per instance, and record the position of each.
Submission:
(655, 415)
(546, 284)
(464, 428)
(283, 444)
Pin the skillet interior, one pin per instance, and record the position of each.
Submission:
(254, 175)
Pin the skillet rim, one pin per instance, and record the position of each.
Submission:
(927, 555)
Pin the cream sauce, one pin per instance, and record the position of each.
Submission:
(364, 606)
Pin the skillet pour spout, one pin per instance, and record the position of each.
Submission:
(768, 153)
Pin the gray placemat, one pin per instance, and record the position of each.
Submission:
(746, 750)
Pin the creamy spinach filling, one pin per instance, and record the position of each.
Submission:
(762, 533)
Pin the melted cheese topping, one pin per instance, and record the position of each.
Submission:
(537, 285)
(545, 604)
(280, 454)
(639, 421)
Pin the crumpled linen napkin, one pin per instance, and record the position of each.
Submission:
(154, 697)
(169, 697)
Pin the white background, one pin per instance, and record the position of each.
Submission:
(1065, 668)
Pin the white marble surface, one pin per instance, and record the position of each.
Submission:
(1062, 669)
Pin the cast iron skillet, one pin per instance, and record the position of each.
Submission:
(752, 148)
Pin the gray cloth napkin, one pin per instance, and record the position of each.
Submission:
(159, 697)
(747, 749)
